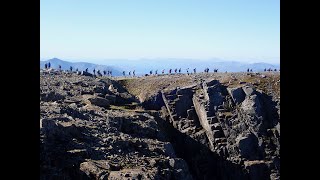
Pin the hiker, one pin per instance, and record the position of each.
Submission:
(150, 72)
(134, 73)
(179, 70)
(71, 68)
(265, 69)
(170, 71)
(94, 71)
(250, 70)
(77, 70)
(129, 73)
(175, 71)
(123, 73)
(194, 70)
(104, 72)
(49, 65)
(60, 67)
(163, 71)
(99, 73)
(45, 66)
(110, 73)
(156, 72)
(188, 71)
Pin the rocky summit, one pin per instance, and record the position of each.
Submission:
(198, 126)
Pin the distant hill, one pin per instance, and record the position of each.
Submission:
(65, 65)
(143, 66)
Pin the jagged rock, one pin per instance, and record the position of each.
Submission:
(257, 170)
(248, 90)
(252, 106)
(98, 101)
(248, 145)
(237, 94)
(211, 136)
(95, 170)
(111, 98)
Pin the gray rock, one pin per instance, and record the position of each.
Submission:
(111, 98)
(248, 90)
(248, 145)
(98, 101)
(237, 94)
(258, 170)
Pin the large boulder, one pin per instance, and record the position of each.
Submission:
(248, 90)
(98, 101)
(237, 94)
(248, 145)
(258, 170)
(252, 105)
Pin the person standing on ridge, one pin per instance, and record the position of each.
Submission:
(163, 71)
(134, 73)
(156, 72)
(49, 65)
(70, 68)
(194, 70)
(179, 70)
(94, 71)
(124, 73)
(45, 66)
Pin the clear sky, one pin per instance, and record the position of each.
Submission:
(244, 30)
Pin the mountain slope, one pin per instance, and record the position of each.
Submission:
(65, 65)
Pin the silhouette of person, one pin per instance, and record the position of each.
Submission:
(170, 71)
(175, 71)
(150, 72)
(188, 71)
(163, 71)
(45, 66)
(248, 70)
(104, 72)
(129, 73)
(49, 65)
(123, 73)
(86, 69)
(60, 67)
(179, 70)
(134, 72)
(156, 72)
(194, 70)
(71, 68)
(94, 71)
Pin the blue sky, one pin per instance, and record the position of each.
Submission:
(93, 30)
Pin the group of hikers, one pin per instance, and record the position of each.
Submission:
(270, 70)
(133, 73)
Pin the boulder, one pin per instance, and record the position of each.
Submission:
(248, 90)
(258, 170)
(248, 145)
(237, 94)
(98, 101)
(111, 98)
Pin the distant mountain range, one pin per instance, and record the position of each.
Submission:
(143, 66)
(65, 65)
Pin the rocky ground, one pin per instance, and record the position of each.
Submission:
(203, 126)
